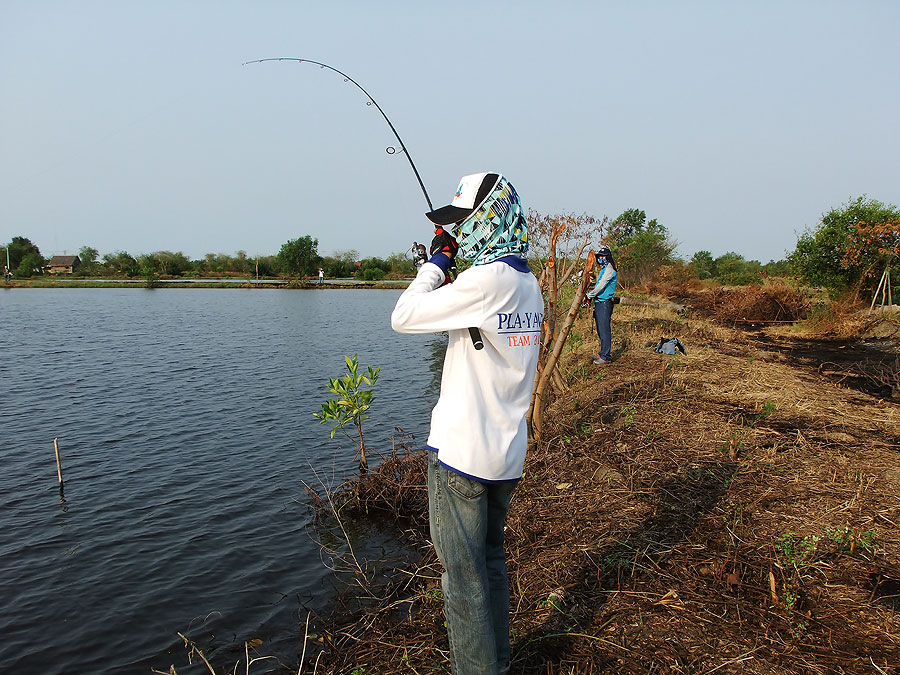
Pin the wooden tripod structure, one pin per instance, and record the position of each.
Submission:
(884, 287)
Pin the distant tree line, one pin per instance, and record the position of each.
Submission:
(851, 249)
(297, 258)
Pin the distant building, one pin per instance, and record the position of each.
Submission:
(63, 264)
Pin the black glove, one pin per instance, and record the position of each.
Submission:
(443, 243)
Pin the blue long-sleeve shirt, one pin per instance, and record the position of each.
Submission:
(605, 287)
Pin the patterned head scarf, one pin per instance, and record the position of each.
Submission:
(495, 229)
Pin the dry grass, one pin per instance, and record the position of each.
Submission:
(725, 511)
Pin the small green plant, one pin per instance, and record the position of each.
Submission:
(848, 540)
(350, 403)
(799, 630)
(579, 372)
(629, 412)
(790, 601)
(767, 409)
(735, 445)
(614, 561)
(867, 540)
(794, 550)
(575, 341)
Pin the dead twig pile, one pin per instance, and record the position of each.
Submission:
(772, 302)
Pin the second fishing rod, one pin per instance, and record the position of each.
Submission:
(474, 333)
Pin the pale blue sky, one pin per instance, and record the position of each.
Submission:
(133, 125)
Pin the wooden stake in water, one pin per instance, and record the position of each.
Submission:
(58, 467)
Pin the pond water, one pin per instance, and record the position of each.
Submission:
(185, 426)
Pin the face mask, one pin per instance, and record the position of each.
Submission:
(496, 229)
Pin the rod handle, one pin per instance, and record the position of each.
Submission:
(475, 334)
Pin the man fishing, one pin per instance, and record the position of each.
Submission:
(602, 296)
(478, 431)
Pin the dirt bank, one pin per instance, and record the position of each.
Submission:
(734, 510)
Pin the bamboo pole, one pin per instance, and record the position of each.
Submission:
(888, 284)
(877, 289)
(58, 466)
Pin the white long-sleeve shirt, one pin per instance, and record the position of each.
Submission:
(478, 425)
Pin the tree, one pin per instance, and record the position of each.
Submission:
(401, 265)
(639, 247)
(628, 224)
(556, 244)
(340, 264)
(299, 256)
(31, 264)
(873, 248)
(777, 268)
(20, 247)
(838, 253)
(372, 269)
(122, 263)
(556, 249)
(267, 265)
(88, 255)
(733, 270)
(89, 265)
(703, 265)
(171, 264)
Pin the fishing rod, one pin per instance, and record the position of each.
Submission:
(390, 149)
(474, 333)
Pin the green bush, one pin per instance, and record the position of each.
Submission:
(370, 274)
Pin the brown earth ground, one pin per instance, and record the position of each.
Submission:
(733, 510)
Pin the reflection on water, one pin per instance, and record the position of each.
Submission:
(185, 428)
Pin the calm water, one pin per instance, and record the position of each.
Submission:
(185, 427)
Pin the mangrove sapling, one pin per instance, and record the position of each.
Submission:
(350, 404)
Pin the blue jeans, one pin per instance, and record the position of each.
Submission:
(467, 520)
(602, 317)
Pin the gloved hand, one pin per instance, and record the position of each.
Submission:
(443, 242)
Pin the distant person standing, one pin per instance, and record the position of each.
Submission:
(602, 296)
(321, 276)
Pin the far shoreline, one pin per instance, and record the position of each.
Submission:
(288, 284)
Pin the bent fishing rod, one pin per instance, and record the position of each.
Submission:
(474, 333)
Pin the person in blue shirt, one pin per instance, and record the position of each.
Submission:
(602, 296)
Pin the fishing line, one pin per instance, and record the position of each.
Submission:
(474, 333)
(391, 150)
